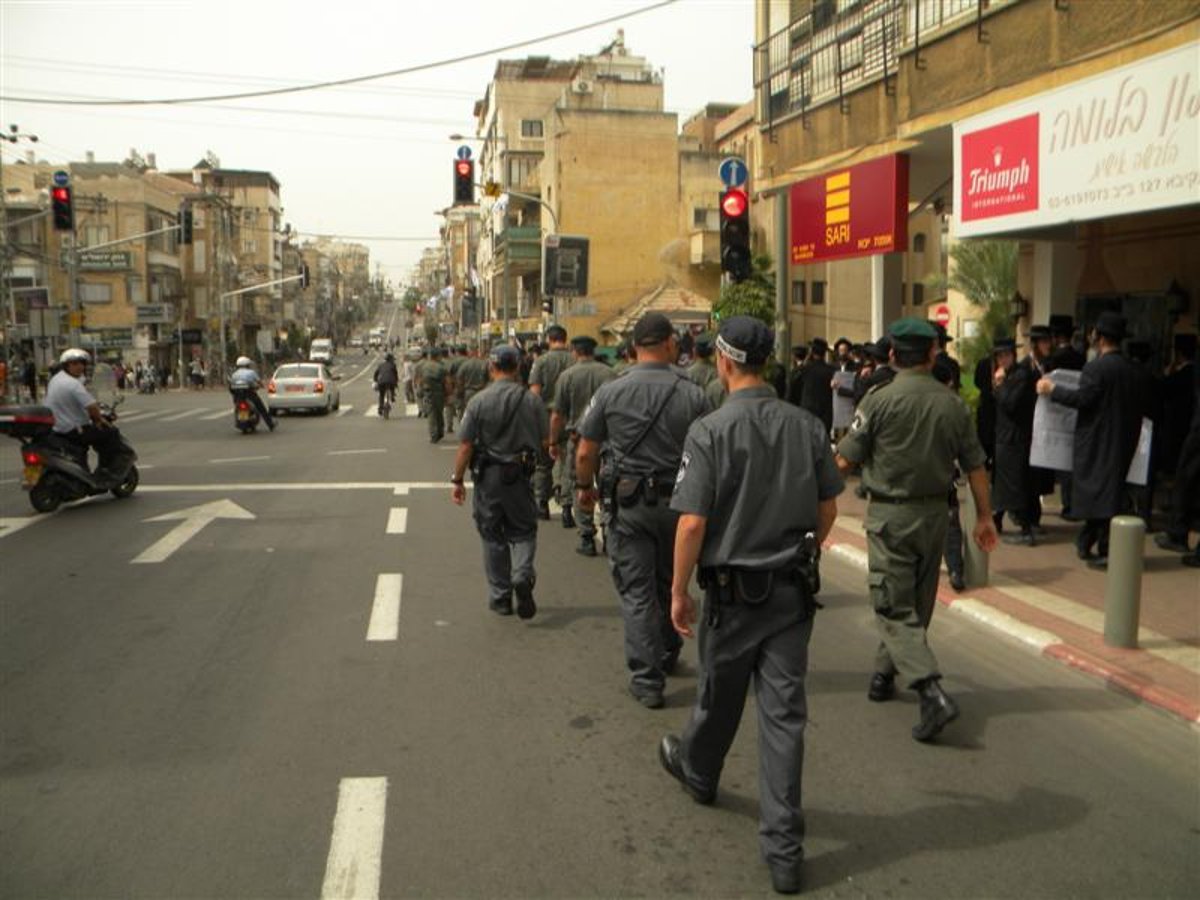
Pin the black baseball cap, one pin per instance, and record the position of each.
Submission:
(746, 340)
(652, 328)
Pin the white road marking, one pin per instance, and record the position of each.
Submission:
(385, 611)
(9, 480)
(372, 412)
(212, 417)
(399, 488)
(411, 409)
(352, 452)
(397, 520)
(10, 526)
(353, 867)
(186, 413)
(233, 459)
(345, 408)
(191, 522)
(140, 416)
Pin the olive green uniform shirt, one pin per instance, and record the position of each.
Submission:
(575, 389)
(703, 372)
(546, 371)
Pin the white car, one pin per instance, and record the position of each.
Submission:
(303, 386)
(321, 350)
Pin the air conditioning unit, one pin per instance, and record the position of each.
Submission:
(581, 86)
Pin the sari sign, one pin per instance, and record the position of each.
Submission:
(859, 210)
(1121, 142)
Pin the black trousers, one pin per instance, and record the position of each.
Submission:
(253, 397)
(105, 441)
(1185, 504)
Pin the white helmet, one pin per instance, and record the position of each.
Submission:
(74, 354)
(244, 362)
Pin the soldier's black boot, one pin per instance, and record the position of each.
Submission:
(587, 546)
(883, 687)
(937, 710)
(568, 517)
(544, 511)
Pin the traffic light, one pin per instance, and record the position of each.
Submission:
(303, 275)
(185, 225)
(464, 181)
(735, 234)
(62, 208)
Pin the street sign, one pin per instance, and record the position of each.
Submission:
(61, 178)
(463, 152)
(155, 313)
(733, 171)
(941, 315)
(565, 265)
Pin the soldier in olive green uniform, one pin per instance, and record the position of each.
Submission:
(907, 435)
(622, 362)
(419, 380)
(572, 394)
(715, 393)
(472, 376)
(542, 380)
(453, 360)
(703, 371)
(434, 386)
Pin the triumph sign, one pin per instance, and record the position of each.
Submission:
(1121, 142)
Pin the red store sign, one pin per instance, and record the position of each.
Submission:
(999, 174)
(857, 211)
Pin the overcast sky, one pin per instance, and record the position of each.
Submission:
(374, 159)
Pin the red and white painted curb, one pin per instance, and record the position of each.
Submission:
(1052, 645)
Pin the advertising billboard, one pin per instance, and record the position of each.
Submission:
(858, 210)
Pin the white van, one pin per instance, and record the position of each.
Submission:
(321, 350)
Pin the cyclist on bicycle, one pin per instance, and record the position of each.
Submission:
(386, 378)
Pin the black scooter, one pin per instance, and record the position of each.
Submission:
(56, 469)
(245, 413)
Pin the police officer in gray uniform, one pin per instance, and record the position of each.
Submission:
(503, 429)
(643, 417)
(757, 492)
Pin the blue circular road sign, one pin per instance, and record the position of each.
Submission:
(61, 178)
(733, 171)
(464, 152)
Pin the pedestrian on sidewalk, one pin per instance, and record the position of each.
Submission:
(1013, 489)
(501, 434)
(907, 435)
(1106, 436)
(757, 494)
(29, 378)
(1185, 507)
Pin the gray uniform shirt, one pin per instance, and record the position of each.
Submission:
(546, 370)
(620, 410)
(756, 469)
(577, 386)
(505, 419)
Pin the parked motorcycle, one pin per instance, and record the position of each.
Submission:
(245, 413)
(55, 469)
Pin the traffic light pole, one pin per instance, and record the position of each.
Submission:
(245, 290)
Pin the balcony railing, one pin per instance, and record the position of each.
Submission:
(843, 45)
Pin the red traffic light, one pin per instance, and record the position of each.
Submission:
(463, 167)
(61, 194)
(734, 203)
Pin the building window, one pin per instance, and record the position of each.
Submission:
(818, 293)
(707, 219)
(520, 168)
(136, 288)
(918, 294)
(95, 293)
(95, 234)
(531, 128)
(798, 288)
(918, 242)
(249, 245)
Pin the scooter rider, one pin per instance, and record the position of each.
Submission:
(77, 416)
(245, 380)
(386, 377)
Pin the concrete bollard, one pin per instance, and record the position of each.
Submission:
(1123, 590)
(975, 561)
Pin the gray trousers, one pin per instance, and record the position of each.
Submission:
(506, 519)
(549, 475)
(769, 645)
(584, 518)
(641, 544)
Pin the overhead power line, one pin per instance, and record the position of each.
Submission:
(296, 89)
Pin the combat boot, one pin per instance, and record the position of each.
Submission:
(937, 710)
(882, 688)
(568, 517)
(587, 546)
(544, 511)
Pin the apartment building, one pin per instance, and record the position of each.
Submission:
(1069, 127)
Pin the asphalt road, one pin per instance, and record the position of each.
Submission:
(183, 728)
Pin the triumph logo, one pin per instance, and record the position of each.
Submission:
(999, 170)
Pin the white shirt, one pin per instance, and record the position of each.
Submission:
(68, 399)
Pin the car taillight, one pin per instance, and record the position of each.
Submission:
(271, 386)
(32, 458)
(318, 387)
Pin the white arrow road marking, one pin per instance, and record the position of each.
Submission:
(356, 848)
(185, 414)
(397, 520)
(11, 526)
(191, 523)
(385, 612)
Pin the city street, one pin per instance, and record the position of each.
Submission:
(185, 694)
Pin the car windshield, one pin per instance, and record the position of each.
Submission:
(297, 372)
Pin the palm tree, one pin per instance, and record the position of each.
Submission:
(985, 272)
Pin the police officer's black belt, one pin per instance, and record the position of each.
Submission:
(899, 501)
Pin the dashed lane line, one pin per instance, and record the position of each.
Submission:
(212, 417)
(237, 459)
(397, 520)
(385, 611)
(186, 413)
(353, 867)
(354, 452)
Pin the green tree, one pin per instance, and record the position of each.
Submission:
(753, 297)
(985, 272)
(412, 299)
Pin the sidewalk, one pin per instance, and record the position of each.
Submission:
(1046, 598)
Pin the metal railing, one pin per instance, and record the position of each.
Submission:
(826, 54)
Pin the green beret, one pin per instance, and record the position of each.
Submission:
(911, 330)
